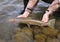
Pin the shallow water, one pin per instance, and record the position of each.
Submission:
(11, 9)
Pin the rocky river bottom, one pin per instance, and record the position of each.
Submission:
(15, 32)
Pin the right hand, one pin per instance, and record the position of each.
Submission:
(24, 15)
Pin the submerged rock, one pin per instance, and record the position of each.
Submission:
(36, 33)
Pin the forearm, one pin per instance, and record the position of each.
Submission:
(31, 4)
(53, 7)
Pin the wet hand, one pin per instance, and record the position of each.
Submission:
(24, 15)
(45, 18)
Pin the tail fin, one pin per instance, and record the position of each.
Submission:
(51, 23)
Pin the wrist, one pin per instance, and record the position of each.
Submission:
(28, 10)
(48, 12)
(26, 13)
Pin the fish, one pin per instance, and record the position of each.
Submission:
(50, 23)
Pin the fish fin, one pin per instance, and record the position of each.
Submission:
(51, 23)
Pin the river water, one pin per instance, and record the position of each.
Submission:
(11, 9)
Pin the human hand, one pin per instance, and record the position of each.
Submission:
(24, 15)
(45, 18)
